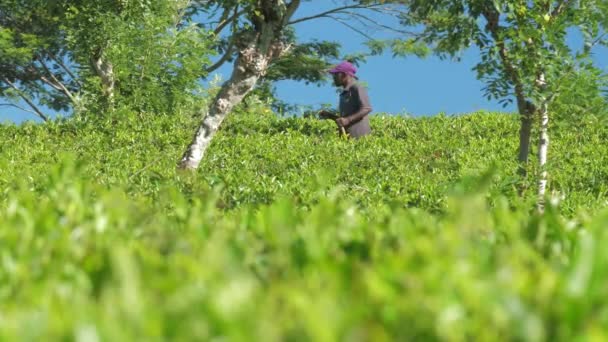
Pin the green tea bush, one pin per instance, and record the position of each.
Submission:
(288, 232)
(256, 157)
(86, 262)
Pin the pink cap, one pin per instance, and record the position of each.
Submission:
(345, 67)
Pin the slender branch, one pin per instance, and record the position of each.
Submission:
(224, 16)
(26, 99)
(50, 83)
(371, 22)
(18, 107)
(388, 11)
(365, 24)
(230, 49)
(224, 59)
(560, 8)
(64, 67)
(343, 22)
(225, 22)
(493, 26)
(332, 11)
(59, 85)
(587, 49)
(291, 9)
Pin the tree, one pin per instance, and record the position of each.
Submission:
(144, 55)
(32, 65)
(524, 52)
(261, 37)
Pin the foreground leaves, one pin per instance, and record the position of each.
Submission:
(288, 232)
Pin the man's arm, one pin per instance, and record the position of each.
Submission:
(328, 114)
(365, 108)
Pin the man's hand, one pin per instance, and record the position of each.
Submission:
(343, 122)
(325, 114)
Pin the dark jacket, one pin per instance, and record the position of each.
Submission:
(352, 99)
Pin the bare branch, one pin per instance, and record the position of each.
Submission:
(224, 17)
(390, 11)
(230, 49)
(50, 83)
(332, 11)
(226, 21)
(64, 67)
(224, 59)
(18, 107)
(57, 84)
(26, 99)
(371, 22)
(345, 23)
(291, 9)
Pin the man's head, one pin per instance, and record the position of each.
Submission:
(343, 73)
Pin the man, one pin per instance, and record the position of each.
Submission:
(354, 101)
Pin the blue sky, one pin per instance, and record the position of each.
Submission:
(399, 85)
(396, 85)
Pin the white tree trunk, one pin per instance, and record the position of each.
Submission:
(543, 143)
(250, 65)
(543, 148)
(257, 49)
(105, 71)
(232, 93)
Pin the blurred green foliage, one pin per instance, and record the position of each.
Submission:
(288, 232)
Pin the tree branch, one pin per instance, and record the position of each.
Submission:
(225, 57)
(587, 49)
(371, 22)
(388, 11)
(224, 15)
(493, 26)
(291, 9)
(50, 83)
(18, 107)
(560, 8)
(26, 99)
(58, 84)
(343, 22)
(230, 48)
(332, 11)
(64, 67)
(180, 13)
(226, 21)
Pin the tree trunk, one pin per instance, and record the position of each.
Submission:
(543, 143)
(231, 94)
(257, 48)
(105, 71)
(543, 148)
(526, 111)
(525, 134)
(525, 107)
